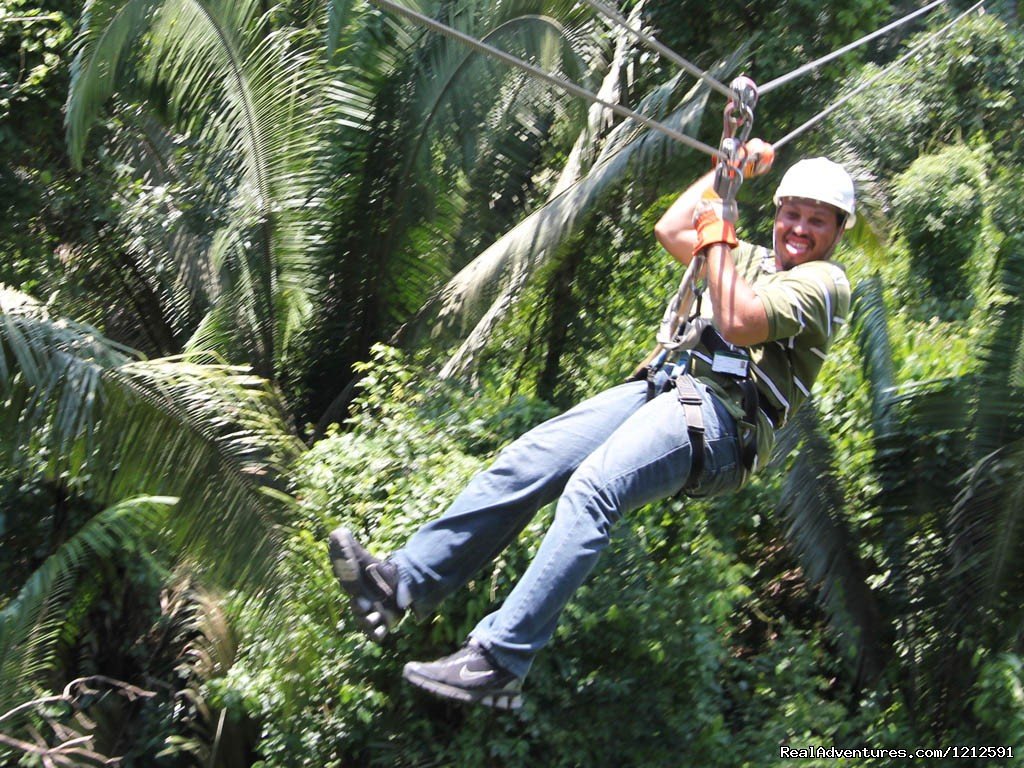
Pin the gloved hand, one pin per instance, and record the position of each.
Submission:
(756, 158)
(715, 221)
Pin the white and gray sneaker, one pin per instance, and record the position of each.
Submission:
(370, 583)
(469, 675)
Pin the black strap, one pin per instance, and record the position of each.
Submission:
(751, 401)
(691, 401)
(712, 340)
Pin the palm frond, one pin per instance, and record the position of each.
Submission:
(32, 622)
(917, 460)
(599, 120)
(338, 17)
(109, 28)
(156, 251)
(268, 113)
(922, 407)
(465, 81)
(254, 104)
(811, 507)
(482, 131)
(212, 435)
(871, 325)
(1000, 415)
(509, 262)
(490, 125)
(986, 522)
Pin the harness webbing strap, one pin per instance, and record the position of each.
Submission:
(751, 401)
(691, 401)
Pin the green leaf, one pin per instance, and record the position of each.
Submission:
(213, 435)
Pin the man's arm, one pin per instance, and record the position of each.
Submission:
(739, 315)
(675, 230)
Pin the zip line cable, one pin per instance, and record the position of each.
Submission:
(558, 82)
(572, 88)
(778, 81)
(664, 50)
(863, 86)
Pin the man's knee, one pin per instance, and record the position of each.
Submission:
(587, 498)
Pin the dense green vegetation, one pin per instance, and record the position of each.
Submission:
(265, 267)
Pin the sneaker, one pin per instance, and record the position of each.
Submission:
(371, 584)
(468, 675)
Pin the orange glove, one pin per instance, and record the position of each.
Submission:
(756, 158)
(714, 221)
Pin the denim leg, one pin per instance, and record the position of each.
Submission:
(499, 502)
(645, 459)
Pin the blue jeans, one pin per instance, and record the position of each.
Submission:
(605, 457)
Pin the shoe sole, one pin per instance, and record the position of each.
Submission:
(341, 548)
(375, 620)
(507, 700)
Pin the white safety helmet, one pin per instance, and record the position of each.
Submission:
(821, 180)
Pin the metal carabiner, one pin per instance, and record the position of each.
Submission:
(737, 122)
(739, 111)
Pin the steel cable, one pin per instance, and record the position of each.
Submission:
(558, 82)
(664, 50)
(576, 90)
(773, 84)
(871, 81)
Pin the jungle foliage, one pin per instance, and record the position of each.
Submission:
(267, 267)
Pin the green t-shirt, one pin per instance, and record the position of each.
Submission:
(806, 306)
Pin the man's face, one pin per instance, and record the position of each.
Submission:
(805, 230)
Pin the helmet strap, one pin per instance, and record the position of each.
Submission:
(835, 242)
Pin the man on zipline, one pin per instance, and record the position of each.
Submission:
(699, 426)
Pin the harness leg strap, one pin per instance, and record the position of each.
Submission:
(751, 403)
(690, 398)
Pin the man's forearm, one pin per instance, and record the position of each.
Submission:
(739, 314)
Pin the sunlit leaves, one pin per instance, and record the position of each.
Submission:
(117, 426)
(255, 104)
